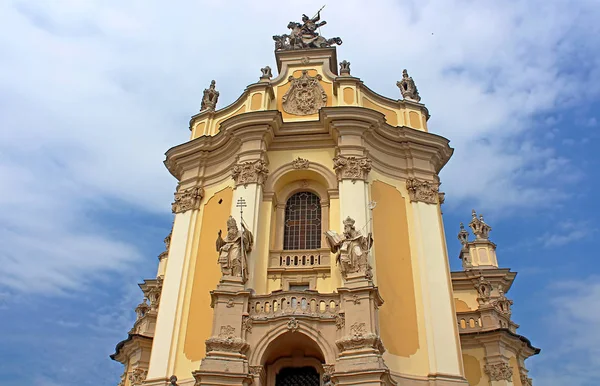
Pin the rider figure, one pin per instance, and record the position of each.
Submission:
(310, 25)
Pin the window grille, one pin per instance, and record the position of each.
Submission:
(302, 222)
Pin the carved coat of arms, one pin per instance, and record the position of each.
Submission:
(305, 96)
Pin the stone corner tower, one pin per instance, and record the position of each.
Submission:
(308, 247)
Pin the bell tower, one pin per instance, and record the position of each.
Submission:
(307, 246)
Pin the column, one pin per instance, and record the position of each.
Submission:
(185, 207)
(440, 320)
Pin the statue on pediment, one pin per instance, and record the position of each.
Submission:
(304, 35)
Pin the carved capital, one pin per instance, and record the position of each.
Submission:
(499, 371)
(187, 199)
(250, 172)
(422, 191)
(137, 376)
(300, 163)
(352, 168)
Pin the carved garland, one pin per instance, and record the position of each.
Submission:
(499, 371)
(300, 163)
(187, 199)
(226, 341)
(250, 172)
(422, 191)
(137, 376)
(353, 168)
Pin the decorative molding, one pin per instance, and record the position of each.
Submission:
(292, 325)
(353, 168)
(137, 376)
(499, 371)
(300, 163)
(526, 381)
(226, 341)
(250, 172)
(422, 191)
(355, 299)
(247, 323)
(340, 321)
(187, 199)
(305, 96)
(230, 303)
(256, 370)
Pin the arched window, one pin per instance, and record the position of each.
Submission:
(302, 222)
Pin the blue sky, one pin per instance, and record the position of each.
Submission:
(92, 93)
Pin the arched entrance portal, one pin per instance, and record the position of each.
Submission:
(293, 359)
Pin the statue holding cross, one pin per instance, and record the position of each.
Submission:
(234, 248)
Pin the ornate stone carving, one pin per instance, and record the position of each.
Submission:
(173, 380)
(305, 96)
(422, 191)
(292, 325)
(408, 88)
(255, 370)
(266, 73)
(353, 168)
(300, 163)
(484, 290)
(463, 235)
(355, 299)
(441, 197)
(344, 67)
(251, 172)
(230, 303)
(340, 321)
(499, 371)
(247, 323)
(304, 35)
(503, 304)
(141, 309)
(328, 369)
(226, 341)
(187, 199)
(210, 97)
(360, 338)
(137, 376)
(352, 250)
(481, 230)
(234, 249)
(525, 380)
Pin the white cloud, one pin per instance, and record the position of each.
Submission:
(94, 92)
(567, 232)
(574, 317)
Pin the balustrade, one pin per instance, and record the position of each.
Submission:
(294, 303)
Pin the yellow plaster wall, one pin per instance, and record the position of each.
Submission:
(261, 248)
(461, 306)
(466, 299)
(349, 95)
(256, 101)
(414, 120)
(390, 115)
(472, 361)
(398, 316)
(282, 89)
(205, 273)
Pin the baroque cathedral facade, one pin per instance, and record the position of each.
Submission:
(308, 245)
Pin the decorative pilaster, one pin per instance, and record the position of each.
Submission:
(250, 172)
(351, 168)
(187, 199)
(423, 191)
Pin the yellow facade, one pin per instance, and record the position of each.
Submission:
(401, 319)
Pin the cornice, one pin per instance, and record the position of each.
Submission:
(130, 338)
(465, 280)
(501, 334)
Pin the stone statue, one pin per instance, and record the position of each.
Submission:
(304, 35)
(352, 249)
(480, 228)
(232, 257)
(408, 88)
(210, 97)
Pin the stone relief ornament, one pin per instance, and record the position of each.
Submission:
(340, 321)
(300, 163)
(408, 88)
(484, 290)
(359, 338)
(187, 199)
(352, 250)
(210, 97)
(499, 371)
(526, 381)
(304, 35)
(226, 341)
(306, 95)
(292, 325)
(463, 235)
(353, 168)
(137, 376)
(481, 230)
(344, 67)
(329, 369)
(232, 257)
(255, 370)
(247, 323)
(250, 172)
(422, 191)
